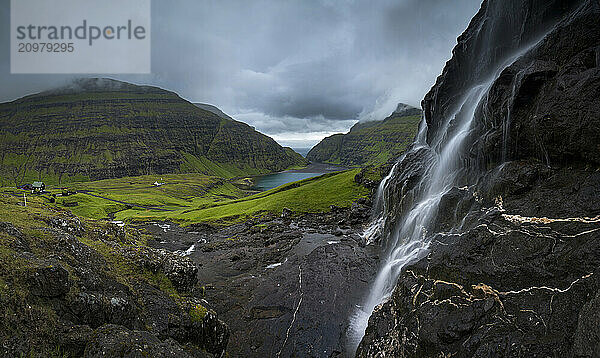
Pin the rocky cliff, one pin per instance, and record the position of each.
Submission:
(369, 143)
(507, 263)
(101, 128)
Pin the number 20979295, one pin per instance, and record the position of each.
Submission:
(55, 47)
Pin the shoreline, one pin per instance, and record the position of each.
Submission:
(315, 168)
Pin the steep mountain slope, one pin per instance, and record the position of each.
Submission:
(373, 142)
(213, 109)
(101, 128)
(503, 260)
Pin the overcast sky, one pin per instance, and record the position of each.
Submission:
(297, 70)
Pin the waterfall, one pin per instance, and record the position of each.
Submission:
(409, 240)
(378, 215)
(375, 229)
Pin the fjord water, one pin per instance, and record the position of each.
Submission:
(409, 240)
(273, 180)
(270, 181)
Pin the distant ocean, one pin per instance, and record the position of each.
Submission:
(302, 151)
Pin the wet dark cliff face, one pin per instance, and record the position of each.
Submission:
(500, 27)
(512, 267)
(551, 91)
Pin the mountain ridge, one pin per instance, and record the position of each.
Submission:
(370, 142)
(103, 128)
(213, 109)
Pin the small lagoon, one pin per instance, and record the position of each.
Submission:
(270, 181)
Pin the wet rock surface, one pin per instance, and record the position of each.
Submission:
(286, 285)
(118, 341)
(96, 291)
(513, 265)
(501, 287)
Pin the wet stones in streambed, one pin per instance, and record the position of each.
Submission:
(305, 303)
(250, 273)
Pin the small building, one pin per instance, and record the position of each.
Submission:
(38, 187)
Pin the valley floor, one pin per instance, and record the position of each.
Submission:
(283, 270)
(286, 286)
(193, 198)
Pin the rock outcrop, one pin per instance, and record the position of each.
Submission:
(93, 289)
(285, 284)
(512, 267)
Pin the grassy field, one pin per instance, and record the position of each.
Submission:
(99, 199)
(310, 195)
(191, 198)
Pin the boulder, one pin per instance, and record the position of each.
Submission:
(49, 280)
(118, 341)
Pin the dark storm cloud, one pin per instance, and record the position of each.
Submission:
(291, 68)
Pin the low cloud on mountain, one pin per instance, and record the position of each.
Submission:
(292, 69)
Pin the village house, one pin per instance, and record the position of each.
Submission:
(38, 187)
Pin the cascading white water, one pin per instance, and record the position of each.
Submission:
(409, 240)
(379, 206)
(375, 229)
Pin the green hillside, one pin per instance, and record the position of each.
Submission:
(101, 128)
(370, 143)
(310, 195)
(192, 198)
(99, 199)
